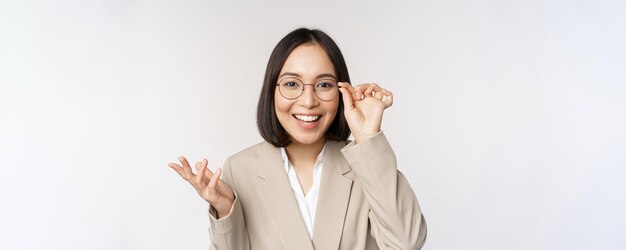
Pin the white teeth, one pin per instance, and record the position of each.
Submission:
(307, 118)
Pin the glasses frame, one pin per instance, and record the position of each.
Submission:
(303, 85)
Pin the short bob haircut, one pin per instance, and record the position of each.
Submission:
(266, 119)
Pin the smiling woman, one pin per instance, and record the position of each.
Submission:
(307, 186)
(286, 65)
(305, 115)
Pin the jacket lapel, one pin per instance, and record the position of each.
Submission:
(333, 198)
(279, 199)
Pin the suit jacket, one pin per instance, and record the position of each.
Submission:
(364, 202)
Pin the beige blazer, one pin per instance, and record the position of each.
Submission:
(364, 202)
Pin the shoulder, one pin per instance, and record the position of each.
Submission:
(336, 145)
(250, 153)
(254, 156)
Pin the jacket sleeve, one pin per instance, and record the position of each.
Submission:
(395, 215)
(230, 231)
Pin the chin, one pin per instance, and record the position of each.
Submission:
(307, 140)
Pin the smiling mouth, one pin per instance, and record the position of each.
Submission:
(307, 118)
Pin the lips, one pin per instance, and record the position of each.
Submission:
(307, 121)
(307, 118)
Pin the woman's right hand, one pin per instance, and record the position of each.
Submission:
(209, 185)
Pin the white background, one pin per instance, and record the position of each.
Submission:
(509, 116)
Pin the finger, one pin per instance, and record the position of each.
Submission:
(358, 94)
(369, 90)
(213, 183)
(347, 96)
(207, 172)
(186, 168)
(378, 89)
(388, 101)
(200, 167)
(197, 166)
(177, 168)
(378, 95)
(362, 86)
(350, 88)
(375, 89)
(221, 185)
(361, 89)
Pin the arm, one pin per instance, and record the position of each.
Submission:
(395, 216)
(229, 232)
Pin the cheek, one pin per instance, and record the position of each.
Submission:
(332, 108)
(281, 105)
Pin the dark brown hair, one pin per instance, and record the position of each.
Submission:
(266, 119)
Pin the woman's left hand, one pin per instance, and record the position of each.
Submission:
(363, 107)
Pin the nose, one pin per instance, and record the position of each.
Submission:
(308, 98)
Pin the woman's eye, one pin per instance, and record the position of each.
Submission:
(325, 85)
(291, 84)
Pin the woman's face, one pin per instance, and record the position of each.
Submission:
(306, 118)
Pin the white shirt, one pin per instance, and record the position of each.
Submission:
(308, 202)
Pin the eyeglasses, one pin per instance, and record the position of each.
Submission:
(292, 88)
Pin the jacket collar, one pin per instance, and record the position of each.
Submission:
(281, 203)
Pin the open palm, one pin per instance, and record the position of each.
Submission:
(208, 184)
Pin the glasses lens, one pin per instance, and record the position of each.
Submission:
(326, 89)
(290, 88)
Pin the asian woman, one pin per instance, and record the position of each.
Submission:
(306, 186)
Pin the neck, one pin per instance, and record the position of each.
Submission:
(304, 153)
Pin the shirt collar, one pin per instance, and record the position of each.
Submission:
(283, 154)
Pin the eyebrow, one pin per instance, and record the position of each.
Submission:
(300, 76)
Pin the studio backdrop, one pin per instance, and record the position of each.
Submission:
(508, 116)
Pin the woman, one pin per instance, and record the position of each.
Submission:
(306, 186)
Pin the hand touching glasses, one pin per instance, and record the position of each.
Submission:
(363, 107)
